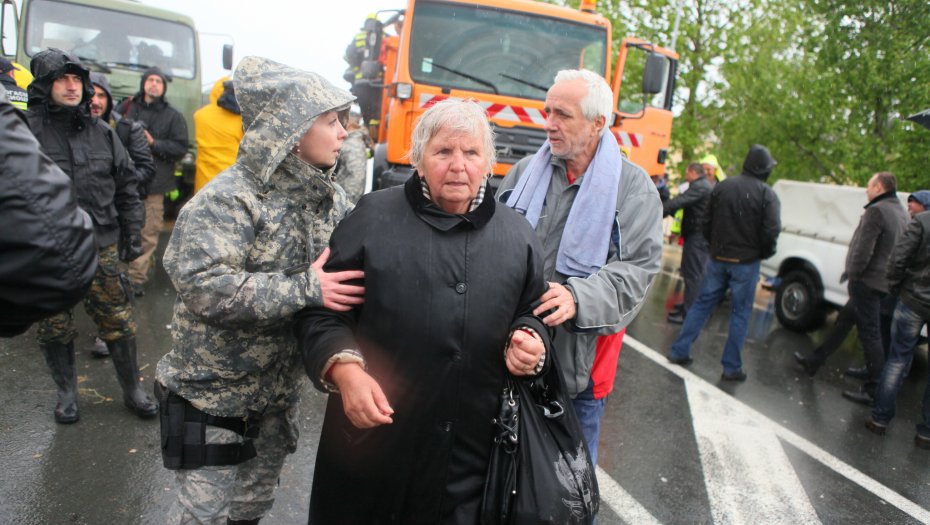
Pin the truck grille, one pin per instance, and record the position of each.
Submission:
(514, 143)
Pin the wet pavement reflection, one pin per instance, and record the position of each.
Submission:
(106, 469)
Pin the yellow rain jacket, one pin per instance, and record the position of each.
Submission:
(218, 132)
(23, 76)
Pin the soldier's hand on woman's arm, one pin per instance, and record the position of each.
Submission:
(362, 397)
(337, 296)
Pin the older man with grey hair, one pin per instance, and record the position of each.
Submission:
(599, 219)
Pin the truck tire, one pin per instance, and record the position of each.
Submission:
(799, 302)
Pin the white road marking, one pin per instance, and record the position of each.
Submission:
(621, 502)
(740, 409)
(749, 478)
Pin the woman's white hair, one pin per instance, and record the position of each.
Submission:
(459, 117)
(599, 102)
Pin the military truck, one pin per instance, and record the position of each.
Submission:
(118, 38)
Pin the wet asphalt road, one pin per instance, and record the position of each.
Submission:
(678, 455)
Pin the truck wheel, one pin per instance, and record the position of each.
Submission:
(799, 302)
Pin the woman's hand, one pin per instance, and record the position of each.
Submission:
(337, 296)
(523, 353)
(362, 398)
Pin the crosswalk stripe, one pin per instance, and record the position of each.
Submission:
(621, 502)
(841, 467)
(748, 476)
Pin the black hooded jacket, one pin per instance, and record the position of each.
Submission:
(131, 135)
(49, 256)
(743, 217)
(167, 127)
(85, 148)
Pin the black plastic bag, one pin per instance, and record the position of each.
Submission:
(540, 469)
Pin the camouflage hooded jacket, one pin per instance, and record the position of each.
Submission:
(237, 248)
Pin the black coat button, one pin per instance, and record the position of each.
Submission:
(456, 356)
(460, 288)
(447, 426)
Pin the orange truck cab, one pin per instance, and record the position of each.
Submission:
(505, 54)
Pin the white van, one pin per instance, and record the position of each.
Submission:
(817, 223)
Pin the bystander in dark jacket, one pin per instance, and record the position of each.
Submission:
(909, 266)
(870, 248)
(47, 242)
(743, 217)
(695, 248)
(14, 94)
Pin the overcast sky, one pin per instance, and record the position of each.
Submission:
(310, 35)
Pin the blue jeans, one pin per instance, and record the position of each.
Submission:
(905, 330)
(742, 279)
(590, 411)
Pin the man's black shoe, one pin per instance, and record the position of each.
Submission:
(876, 428)
(739, 375)
(677, 318)
(677, 308)
(683, 361)
(810, 364)
(863, 398)
(922, 442)
(137, 289)
(858, 373)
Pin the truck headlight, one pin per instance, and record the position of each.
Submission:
(403, 90)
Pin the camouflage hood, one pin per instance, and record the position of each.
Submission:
(279, 104)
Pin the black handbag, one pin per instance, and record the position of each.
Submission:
(540, 468)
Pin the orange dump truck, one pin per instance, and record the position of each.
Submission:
(505, 54)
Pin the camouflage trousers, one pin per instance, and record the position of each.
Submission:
(106, 303)
(207, 496)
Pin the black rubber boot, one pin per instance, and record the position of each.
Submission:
(810, 364)
(123, 352)
(100, 348)
(60, 359)
(242, 522)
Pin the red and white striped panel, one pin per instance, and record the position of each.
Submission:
(630, 140)
(496, 111)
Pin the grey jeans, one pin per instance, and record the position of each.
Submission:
(694, 256)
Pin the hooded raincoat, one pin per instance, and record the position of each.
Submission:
(219, 130)
(86, 149)
(240, 252)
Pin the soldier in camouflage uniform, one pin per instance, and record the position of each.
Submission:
(90, 153)
(240, 258)
(353, 160)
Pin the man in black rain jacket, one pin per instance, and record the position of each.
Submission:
(742, 222)
(89, 152)
(47, 242)
(166, 132)
(695, 250)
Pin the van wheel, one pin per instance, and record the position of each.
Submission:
(799, 302)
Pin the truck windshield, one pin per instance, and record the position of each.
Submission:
(111, 38)
(484, 49)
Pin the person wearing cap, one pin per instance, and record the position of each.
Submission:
(166, 133)
(742, 221)
(14, 94)
(89, 152)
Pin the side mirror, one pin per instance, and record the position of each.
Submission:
(370, 70)
(8, 28)
(654, 74)
(227, 56)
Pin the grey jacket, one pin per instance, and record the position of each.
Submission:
(608, 300)
(870, 248)
(909, 266)
(241, 250)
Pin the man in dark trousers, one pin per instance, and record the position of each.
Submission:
(89, 152)
(909, 280)
(742, 222)
(695, 250)
(166, 133)
(14, 94)
(866, 268)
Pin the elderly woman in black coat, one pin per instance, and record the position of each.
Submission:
(451, 280)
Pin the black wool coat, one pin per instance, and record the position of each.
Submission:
(443, 292)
